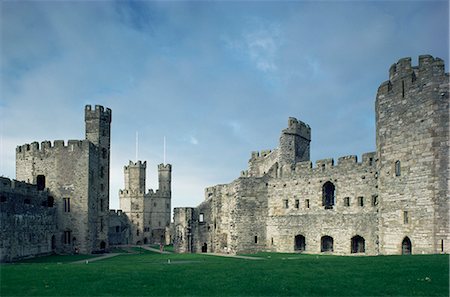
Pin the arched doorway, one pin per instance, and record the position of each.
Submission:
(406, 246)
(204, 248)
(102, 245)
(300, 243)
(145, 240)
(326, 244)
(358, 244)
(328, 194)
(40, 182)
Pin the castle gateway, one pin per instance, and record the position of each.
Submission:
(393, 201)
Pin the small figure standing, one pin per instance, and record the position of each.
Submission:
(161, 247)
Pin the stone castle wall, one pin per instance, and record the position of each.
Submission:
(412, 111)
(394, 201)
(27, 221)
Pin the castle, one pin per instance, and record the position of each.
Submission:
(394, 201)
(59, 201)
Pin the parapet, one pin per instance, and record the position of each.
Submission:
(165, 167)
(138, 164)
(98, 113)
(298, 127)
(325, 165)
(429, 68)
(46, 146)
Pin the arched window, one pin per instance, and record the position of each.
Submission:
(406, 246)
(328, 194)
(358, 244)
(326, 244)
(300, 243)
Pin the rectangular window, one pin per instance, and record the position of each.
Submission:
(256, 239)
(101, 224)
(201, 218)
(117, 229)
(397, 168)
(442, 245)
(66, 204)
(374, 200)
(347, 201)
(297, 203)
(286, 203)
(307, 203)
(405, 217)
(361, 201)
(101, 204)
(67, 235)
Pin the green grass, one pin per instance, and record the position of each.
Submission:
(205, 275)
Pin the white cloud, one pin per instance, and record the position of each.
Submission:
(193, 140)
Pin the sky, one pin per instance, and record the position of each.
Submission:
(218, 79)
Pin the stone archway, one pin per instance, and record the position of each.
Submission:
(406, 246)
(358, 244)
(326, 244)
(300, 243)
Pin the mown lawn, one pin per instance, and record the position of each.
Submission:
(205, 275)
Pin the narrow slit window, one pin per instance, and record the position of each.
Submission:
(307, 203)
(297, 203)
(405, 217)
(66, 204)
(347, 201)
(361, 201)
(397, 168)
(286, 203)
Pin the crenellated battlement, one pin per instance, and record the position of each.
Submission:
(48, 147)
(99, 112)
(260, 154)
(140, 164)
(298, 127)
(402, 75)
(167, 167)
(30, 191)
(326, 165)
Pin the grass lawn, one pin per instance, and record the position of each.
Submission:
(205, 275)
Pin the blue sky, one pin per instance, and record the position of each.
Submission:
(217, 79)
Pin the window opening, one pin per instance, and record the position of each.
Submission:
(297, 203)
(347, 201)
(358, 244)
(307, 203)
(66, 204)
(300, 243)
(361, 201)
(286, 203)
(256, 239)
(328, 194)
(40, 181)
(405, 217)
(397, 168)
(201, 218)
(326, 244)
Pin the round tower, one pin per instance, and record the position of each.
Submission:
(294, 142)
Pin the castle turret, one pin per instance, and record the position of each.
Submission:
(98, 132)
(135, 176)
(165, 178)
(294, 142)
(412, 126)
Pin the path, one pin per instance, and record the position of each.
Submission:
(102, 257)
(154, 250)
(234, 256)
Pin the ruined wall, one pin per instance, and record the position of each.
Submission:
(119, 232)
(27, 221)
(412, 112)
(182, 220)
(296, 205)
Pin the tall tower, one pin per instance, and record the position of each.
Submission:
(294, 142)
(98, 132)
(412, 134)
(132, 199)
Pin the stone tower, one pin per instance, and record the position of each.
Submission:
(148, 212)
(412, 132)
(98, 132)
(76, 175)
(132, 199)
(294, 142)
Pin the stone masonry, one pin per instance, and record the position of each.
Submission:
(394, 201)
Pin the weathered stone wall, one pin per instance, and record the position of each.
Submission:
(412, 131)
(149, 212)
(27, 221)
(77, 171)
(119, 228)
(295, 205)
(183, 221)
(400, 192)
